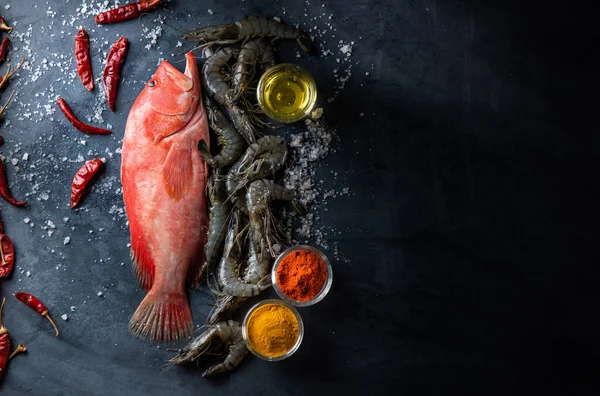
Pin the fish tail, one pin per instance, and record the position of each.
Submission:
(163, 317)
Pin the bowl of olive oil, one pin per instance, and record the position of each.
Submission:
(286, 93)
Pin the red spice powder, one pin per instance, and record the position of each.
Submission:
(301, 275)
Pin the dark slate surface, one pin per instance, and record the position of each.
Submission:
(472, 172)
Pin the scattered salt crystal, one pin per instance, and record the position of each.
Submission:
(51, 224)
(26, 220)
(7, 7)
(25, 156)
(64, 317)
(210, 11)
(28, 273)
(276, 19)
(99, 294)
(179, 44)
(14, 161)
(67, 240)
(72, 308)
(317, 113)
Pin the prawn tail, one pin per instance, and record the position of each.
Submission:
(163, 317)
(307, 45)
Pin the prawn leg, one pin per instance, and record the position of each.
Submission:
(264, 227)
(263, 158)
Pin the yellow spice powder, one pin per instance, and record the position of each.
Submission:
(272, 330)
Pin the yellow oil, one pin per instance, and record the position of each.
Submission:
(287, 93)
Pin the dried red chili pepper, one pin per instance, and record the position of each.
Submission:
(82, 59)
(112, 70)
(80, 126)
(4, 26)
(35, 304)
(82, 178)
(5, 191)
(4, 342)
(7, 256)
(4, 49)
(128, 11)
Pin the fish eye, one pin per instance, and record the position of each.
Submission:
(152, 83)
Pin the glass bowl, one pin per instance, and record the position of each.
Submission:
(326, 285)
(300, 330)
(286, 75)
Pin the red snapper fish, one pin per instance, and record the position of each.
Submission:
(164, 188)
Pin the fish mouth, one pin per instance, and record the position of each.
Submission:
(181, 80)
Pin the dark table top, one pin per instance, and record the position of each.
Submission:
(469, 171)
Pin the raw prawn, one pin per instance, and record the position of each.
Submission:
(231, 142)
(228, 334)
(215, 76)
(218, 214)
(263, 158)
(229, 281)
(264, 228)
(217, 85)
(248, 28)
(253, 52)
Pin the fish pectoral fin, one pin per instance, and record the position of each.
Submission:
(177, 172)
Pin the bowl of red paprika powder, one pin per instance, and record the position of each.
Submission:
(302, 275)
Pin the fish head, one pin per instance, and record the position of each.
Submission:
(171, 97)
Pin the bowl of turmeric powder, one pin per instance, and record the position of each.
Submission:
(302, 275)
(272, 330)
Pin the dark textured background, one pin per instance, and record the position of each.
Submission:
(473, 172)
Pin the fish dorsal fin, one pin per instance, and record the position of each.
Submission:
(177, 171)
